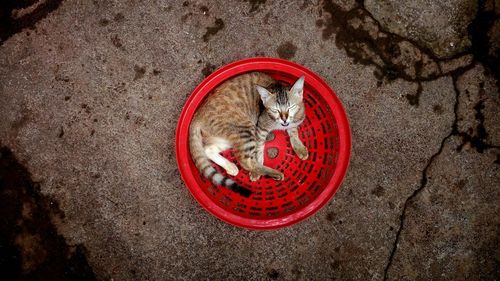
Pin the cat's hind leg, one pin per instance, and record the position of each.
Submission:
(248, 160)
(213, 150)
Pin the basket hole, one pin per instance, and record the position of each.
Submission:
(303, 179)
(329, 128)
(310, 169)
(323, 129)
(282, 195)
(322, 112)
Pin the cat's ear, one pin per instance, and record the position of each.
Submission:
(264, 93)
(298, 87)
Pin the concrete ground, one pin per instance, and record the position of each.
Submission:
(90, 94)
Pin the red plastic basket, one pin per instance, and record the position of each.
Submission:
(308, 185)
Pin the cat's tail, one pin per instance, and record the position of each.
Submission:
(204, 165)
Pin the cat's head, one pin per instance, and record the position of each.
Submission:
(284, 105)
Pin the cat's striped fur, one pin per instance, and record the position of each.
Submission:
(240, 113)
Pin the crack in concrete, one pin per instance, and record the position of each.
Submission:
(376, 46)
(424, 179)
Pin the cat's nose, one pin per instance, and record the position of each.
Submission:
(284, 124)
(284, 117)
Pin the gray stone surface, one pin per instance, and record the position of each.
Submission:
(438, 25)
(452, 226)
(89, 102)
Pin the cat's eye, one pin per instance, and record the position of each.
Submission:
(292, 106)
(273, 110)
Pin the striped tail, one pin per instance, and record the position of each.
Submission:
(205, 166)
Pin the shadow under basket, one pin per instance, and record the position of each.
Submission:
(308, 184)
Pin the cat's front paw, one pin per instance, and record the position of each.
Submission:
(301, 151)
(254, 176)
(232, 169)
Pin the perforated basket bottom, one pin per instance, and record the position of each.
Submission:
(304, 179)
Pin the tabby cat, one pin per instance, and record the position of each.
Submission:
(240, 113)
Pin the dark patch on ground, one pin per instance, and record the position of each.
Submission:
(330, 216)
(117, 42)
(186, 16)
(139, 72)
(305, 4)
(86, 108)
(297, 272)
(378, 191)
(255, 4)
(286, 50)
(30, 247)
(204, 10)
(335, 264)
(497, 161)
(21, 122)
(266, 18)
(62, 78)
(483, 42)
(119, 17)
(461, 184)
(415, 99)
(10, 25)
(156, 72)
(212, 30)
(478, 140)
(273, 274)
(103, 22)
(208, 69)
(185, 4)
(475, 137)
(438, 109)
(61, 132)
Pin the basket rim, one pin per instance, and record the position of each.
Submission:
(261, 64)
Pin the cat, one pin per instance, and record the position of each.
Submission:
(240, 113)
